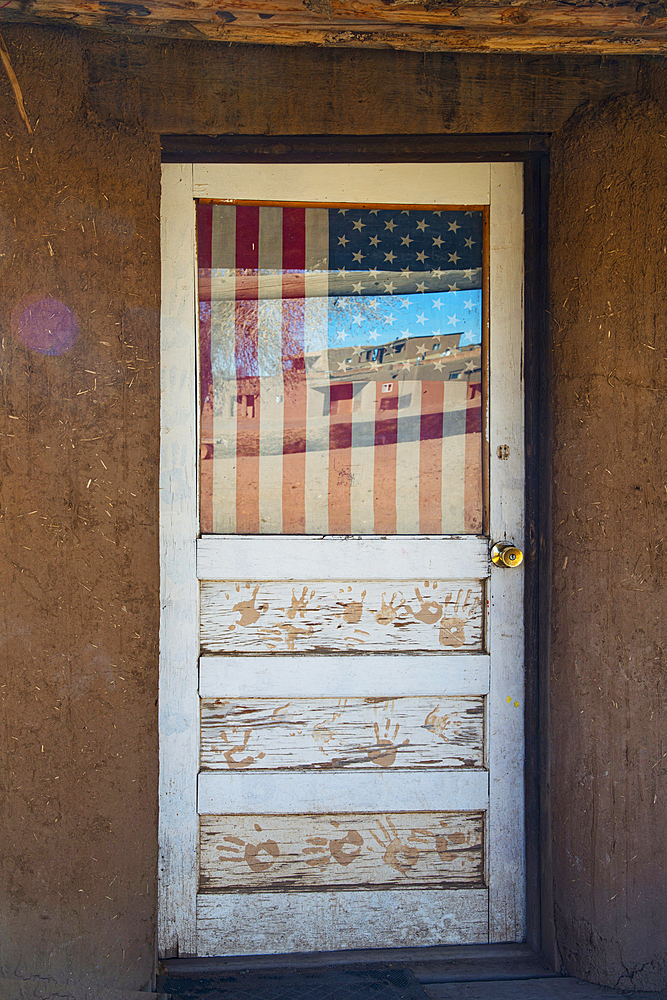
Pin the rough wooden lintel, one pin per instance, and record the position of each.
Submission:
(350, 148)
(423, 25)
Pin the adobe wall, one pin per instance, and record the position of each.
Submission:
(78, 498)
(79, 299)
(608, 253)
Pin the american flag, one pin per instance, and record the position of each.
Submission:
(340, 359)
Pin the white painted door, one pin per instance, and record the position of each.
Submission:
(341, 666)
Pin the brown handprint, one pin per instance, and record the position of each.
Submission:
(248, 612)
(323, 851)
(446, 845)
(252, 852)
(353, 610)
(229, 754)
(300, 604)
(383, 754)
(438, 724)
(388, 613)
(399, 856)
(452, 630)
(322, 733)
(292, 633)
(337, 847)
(430, 611)
(321, 856)
(231, 851)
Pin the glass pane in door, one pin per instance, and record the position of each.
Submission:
(341, 369)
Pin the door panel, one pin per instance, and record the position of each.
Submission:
(358, 727)
(428, 615)
(251, 923)
(338, 851)
(357, 733)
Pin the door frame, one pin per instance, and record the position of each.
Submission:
(532, 151)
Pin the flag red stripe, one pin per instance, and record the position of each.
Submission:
(473, 460)
(204, 243)
(294, 371)
(207, 447)
(384, 475)
(430, 458)
(247, 377)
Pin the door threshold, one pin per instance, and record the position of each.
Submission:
(436, 964)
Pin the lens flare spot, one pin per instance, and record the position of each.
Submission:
(47, 326)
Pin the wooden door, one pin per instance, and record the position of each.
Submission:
(345, 768)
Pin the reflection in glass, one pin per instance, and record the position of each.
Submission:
(340, 355)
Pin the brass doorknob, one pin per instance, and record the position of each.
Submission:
(506, 554)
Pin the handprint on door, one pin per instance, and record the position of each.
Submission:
(234, 848)
(453, 627)
(247, 611)
(343, 851)
(230, 753)
(401, 854)
(383, 753)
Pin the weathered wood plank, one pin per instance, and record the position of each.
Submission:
(300, 558)
(355, 677)
(477, 27)
(427, 615)
(506, 855)
(352, 733)
(293, 853)
(178, 702)
(351, 184)
(350, 149)
(264, 923)
(177, 89)
(382, 790)
(396, 92)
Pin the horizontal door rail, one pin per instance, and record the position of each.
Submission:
(245, 792)
(337, 557)
(349, 185)
(346, 676)
(266, 922)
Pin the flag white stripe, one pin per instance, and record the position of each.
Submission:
(223, 242)
(223, 239)
(316, 338)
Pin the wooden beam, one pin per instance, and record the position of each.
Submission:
(351, 149)
(538, 26)
(183, 88)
